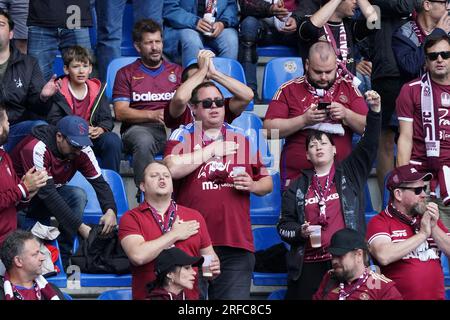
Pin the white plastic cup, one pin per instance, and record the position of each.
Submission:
(315, 236)
(206, 266)
(237, 171)
(208, 17)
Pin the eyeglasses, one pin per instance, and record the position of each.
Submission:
(417, 190)
(434, 55)
(207, 103)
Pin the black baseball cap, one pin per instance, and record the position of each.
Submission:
(173, 257)
(346, 240)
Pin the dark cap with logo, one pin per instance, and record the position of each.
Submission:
(346, 240)
(76, 131)
(173, 257)
(406, 174)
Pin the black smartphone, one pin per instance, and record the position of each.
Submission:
(323, 105)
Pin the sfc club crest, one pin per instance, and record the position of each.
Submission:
(172, 78)
(445, 99)
(343, 98)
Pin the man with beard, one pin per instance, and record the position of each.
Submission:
(141, 91)
(320, 100)
(13, 190)
(63, 150)
(350, 278)
(407, 238)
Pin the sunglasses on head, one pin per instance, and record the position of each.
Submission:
(434, 55)
(207, 103)
(417, 190)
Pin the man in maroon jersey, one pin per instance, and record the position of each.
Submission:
(350, 278)
(216, 171)
(159, 223)
(407, 238)
(141, 91)
(320, 100)
(62, 150)
(179, 113)
(423, 109)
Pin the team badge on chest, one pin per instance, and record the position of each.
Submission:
(445, 99)
(172, 78)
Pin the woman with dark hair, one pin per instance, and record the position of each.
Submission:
(174, 273)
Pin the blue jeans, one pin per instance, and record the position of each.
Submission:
(191, 41)
(236, 269)
(76, 199)
(255, 31)
(19, 131)
(109, 26)
(108, 147)
(44, 43)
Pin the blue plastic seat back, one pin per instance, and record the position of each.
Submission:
(277, 51)
(266, 209)
(279, 71)
(445, 269)
(277, 295)
(119, 294)
(253, 130)
(369, 211)
(231, 68)
(93, 211)
(59, 280)
(265, 237)
(111, 72)
(67, 296)
(386, 193)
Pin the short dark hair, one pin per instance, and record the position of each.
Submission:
(317, 135)
(185, 73)
(5, 13)
(143, 26)
(431, 40)
(194, 97)
(76, 53)
(161, 279)
(13, 246)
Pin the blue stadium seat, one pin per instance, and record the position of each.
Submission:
(386, 193)
(67, 296)
(231, 68)
(58, 66)
(102, 279)
(111, 72)
(118, 294)
(93, 211)
(264, 238)
(277, 51)
(277, 295)
(447, 294)
(445, 269)
(266, 209)
(369, 211)
(59, 280)
(252, 126)
(279, 71)
(127, 47)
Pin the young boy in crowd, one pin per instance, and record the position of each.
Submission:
(84, 97)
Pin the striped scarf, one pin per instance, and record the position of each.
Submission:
(43, 290)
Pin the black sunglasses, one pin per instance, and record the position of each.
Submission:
(207, 103)
(434, 55)
(417, 190)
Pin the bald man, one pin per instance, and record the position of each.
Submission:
(319, 100)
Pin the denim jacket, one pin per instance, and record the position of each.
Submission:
(182, 14)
